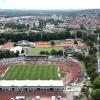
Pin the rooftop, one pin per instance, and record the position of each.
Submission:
(31, 83)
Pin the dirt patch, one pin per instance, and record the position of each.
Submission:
(42, 44)
(8, 45)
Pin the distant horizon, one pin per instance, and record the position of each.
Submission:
(56, 9)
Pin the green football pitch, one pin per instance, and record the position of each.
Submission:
(32, 72)
(32, 51)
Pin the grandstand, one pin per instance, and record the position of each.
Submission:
(32, 85)
(36, 57)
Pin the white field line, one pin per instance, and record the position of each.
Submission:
(5, 72)
(59, 72)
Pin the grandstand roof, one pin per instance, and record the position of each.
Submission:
(31, 83)
(25, 43)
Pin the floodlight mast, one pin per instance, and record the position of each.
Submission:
(98, 55)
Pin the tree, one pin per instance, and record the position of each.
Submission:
(97, 30)
(93, 76)
(15, 44)
(31, 36)
(17, 53)
(42, 52)
(2, 41)
(89, 43)
(78, 55)
(46, 52)
(85, 90)
(96, 94)
(60, 52)
(75, 42)
(93, 50)
(79, 34)
(90, 70)
(52, 43)
(53, 52)
(7, 54)
(96, 83)
(12, 54)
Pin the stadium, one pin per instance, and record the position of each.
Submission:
(38, 75)
(40, 70)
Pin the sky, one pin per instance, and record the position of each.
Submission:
(49, 4)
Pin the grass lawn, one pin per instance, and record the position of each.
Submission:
(32, 51)
(32, 72)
